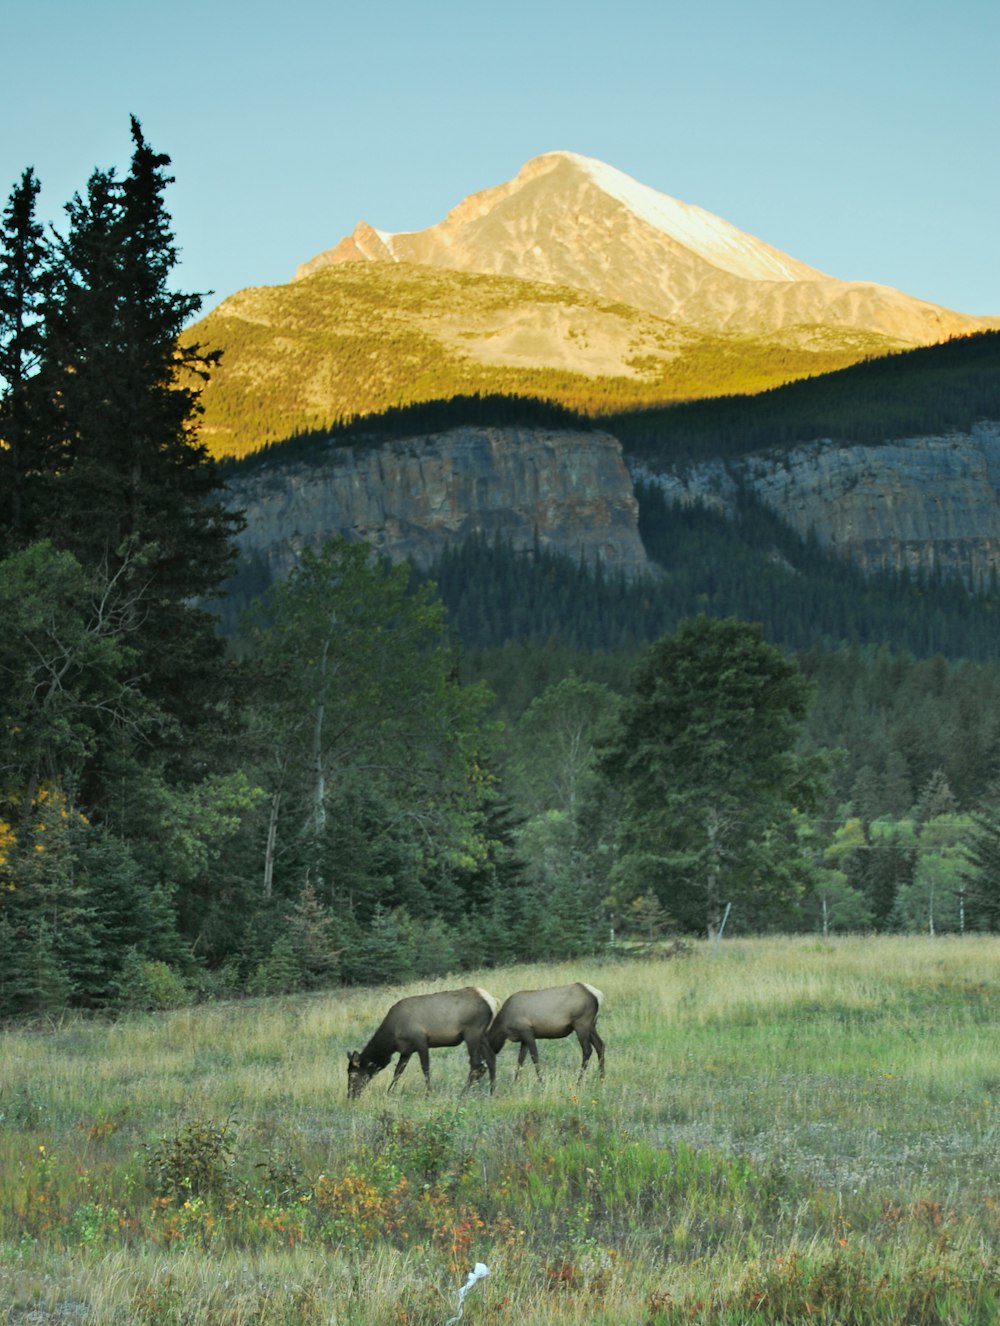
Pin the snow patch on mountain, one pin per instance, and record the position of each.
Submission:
(387, 237)
(708, 235)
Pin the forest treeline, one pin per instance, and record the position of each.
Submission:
(751, 565)
(351, 344)
(931, 390)
(415, 420)
(381, 775)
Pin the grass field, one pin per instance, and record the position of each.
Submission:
(789, 1131)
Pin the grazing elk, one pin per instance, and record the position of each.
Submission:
(426, 1022)
(542, 1015)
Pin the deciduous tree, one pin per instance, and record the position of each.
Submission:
(357, 712)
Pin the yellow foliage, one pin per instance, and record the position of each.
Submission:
(51, 814)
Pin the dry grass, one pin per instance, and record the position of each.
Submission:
(784, 1124)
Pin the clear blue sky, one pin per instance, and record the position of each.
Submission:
(862, 138)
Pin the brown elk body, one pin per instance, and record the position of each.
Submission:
(421, 1023)
(541, 1015)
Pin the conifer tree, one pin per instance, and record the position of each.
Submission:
(312, 931)
(136, 489)
(704, 760)
(24, 271)
(983, 869)
(111, 530)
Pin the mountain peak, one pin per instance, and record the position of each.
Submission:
(704, 233)
(564, 178)
(571, 220)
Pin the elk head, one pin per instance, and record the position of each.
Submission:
(359, 1074)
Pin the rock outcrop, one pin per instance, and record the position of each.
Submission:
(930, 505)
(569, 491)
(927, 504)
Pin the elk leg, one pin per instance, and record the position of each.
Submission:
(598, 1045)
(491, 1064)
(425, 1064)
(401, 1063)
(476, 1066)
(529, 1044)
(522, 1054)
(479, 1051)
(585, 1048)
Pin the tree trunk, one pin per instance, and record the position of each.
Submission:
(318, 814)
(272, 836)
(713, 903)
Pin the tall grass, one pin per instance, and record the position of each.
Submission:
(789, 1131)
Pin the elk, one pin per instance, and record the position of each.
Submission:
(534, 1015)
(426, 1022)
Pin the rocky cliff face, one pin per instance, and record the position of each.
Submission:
(926, 503)
(411, 498)
(929, 504)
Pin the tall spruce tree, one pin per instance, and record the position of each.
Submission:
(24, 271)
(112, 530)
(137, 492)
(704, 761)
(982, 872)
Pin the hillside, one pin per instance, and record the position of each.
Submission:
(357, 339)
(571, 283)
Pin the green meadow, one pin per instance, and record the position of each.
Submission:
(790, 1131)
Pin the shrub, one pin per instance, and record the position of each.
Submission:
(280, 972)
(196, 1162)
(149, 984)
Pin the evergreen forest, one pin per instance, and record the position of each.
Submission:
(917, 393)
(211, 785)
